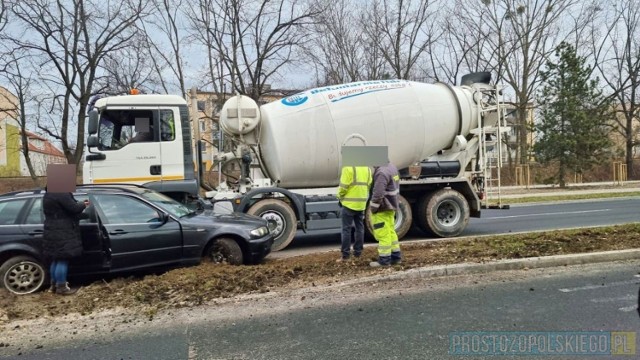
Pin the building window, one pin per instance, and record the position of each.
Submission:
(201, 105)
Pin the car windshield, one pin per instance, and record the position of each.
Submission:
(167, 203)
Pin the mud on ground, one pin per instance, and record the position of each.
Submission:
(197, 285)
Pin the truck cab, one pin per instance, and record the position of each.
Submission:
(143, 140)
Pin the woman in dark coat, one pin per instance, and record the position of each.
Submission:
(62, 240)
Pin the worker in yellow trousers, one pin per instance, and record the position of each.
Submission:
(384, 204)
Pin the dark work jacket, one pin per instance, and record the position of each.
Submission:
(386, 188)
(61, 226)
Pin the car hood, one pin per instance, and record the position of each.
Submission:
(208, 217)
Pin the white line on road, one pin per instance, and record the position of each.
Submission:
(599, 286)
(621, 298)
(547, 214)
(628, 308)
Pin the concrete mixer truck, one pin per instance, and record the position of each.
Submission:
(439, 136)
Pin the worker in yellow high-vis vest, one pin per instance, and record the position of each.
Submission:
(353, 194)
(384, 204)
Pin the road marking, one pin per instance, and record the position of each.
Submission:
(599, 286)
(621, 298)
(192, 352)
(628, 308)
(548, 214)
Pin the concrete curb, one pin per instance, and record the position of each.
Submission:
(502, 265)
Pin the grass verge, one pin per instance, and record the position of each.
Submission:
(549, 198)
(206, 282)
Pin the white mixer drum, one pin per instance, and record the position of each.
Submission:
(301, 135)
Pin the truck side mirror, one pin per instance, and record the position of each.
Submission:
(92, 141)
(93, 122)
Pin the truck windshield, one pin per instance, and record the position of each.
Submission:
(167, 203)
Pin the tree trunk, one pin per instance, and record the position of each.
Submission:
(25, 144)
(562, 173)
(630, 137)
(523, 146)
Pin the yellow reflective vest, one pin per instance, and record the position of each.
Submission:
(353, 192)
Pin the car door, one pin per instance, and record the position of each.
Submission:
(96, 254)
(137, 234)
(94, 258)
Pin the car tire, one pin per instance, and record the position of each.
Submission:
(282, 214)
(225, 250)
(22, 275)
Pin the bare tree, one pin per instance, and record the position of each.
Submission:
(3, 14)
(403, 31)
(21, 86)
(255, 40)
(165, 30)
(131, 67)
(69, 40)
(521, 34)
(464, 47)
(338, 51)
(579, 24)
(618, 61)
(202, 18)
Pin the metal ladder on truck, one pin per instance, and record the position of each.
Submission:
(490, 148)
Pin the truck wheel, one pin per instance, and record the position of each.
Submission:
(404, 218)
(22, 275)
(445, 213)
(281, 216)
(224, 250)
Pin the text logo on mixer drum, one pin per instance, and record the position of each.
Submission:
(295, 100)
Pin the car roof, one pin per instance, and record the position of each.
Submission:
(130, 188)
(21, 193)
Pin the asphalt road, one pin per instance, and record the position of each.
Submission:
(519, 218)
(553, 216)
(419, 319)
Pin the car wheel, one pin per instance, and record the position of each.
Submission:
(22, 275)
(225, 250)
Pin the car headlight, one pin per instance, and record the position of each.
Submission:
(259, 232)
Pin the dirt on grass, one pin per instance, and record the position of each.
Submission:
(207, 282)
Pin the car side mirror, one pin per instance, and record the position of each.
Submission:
(164, 217)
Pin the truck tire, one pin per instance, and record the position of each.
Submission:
(445, 213)
(224, 250)
(282, 214)
(404, 218)
(22, 275)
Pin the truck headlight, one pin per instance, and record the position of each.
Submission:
(259, 232)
